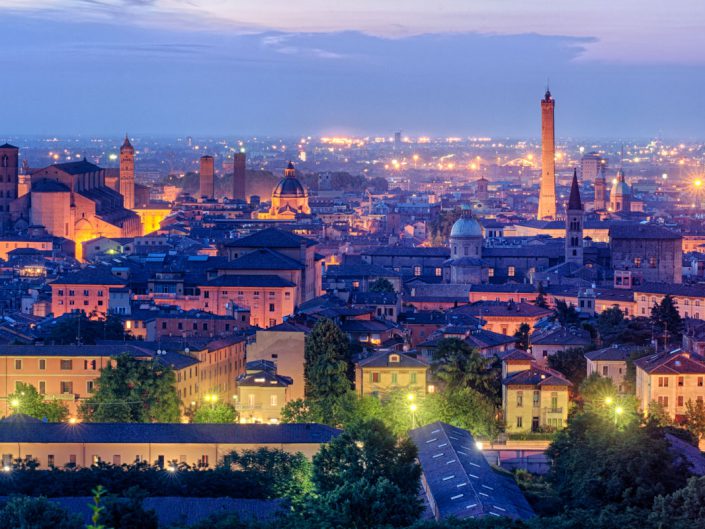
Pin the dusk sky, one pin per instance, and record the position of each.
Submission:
(619, 68)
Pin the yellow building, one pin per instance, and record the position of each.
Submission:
(152, 217)
(387, 372)
(533, 398)
(670, 379)
(261, 393)
(163, 444)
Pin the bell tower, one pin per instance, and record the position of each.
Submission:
(574, 217)
(547, 194)
(127, 173)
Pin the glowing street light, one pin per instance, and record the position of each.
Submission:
(479, 445)
(15, 403)
(608, 400)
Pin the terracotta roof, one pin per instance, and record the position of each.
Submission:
(672, 363)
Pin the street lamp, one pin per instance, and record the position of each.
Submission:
(413, 409)
(608, 400)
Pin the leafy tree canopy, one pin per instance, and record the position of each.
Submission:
(27, 400)
(218, 412)
(132, 390)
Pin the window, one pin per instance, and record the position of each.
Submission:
(605, 371)
(637, 262)
(412, 378)
(163, 325)
(66, 365)
(96, 459)
(206, 294)
(700, 382)
(42, 387)
(439, 272)
(663, 401)
(520, 422)
(394, 378)
(71, 292)
(374, 377)
(520, 399)
(663, 382)
(417, 270)
(490, 272)
(18, 364)
(72, 459)
(66, 387)
(680, 400)
(681, 381)
(511, 271)
(50, 460)
(90, 386)
(116, 460)
(537, 398)
(271, 307)
(273, 400)
(554, 401)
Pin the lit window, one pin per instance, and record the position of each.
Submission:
(511, 271)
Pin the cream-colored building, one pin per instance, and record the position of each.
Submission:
(390, 371)
(284, 346)
(163, 444)
(610, 362)
(533, 398)
(670, 379)
(261, 393)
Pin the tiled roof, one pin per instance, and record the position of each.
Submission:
(672, 363)
(459, 478)
(536, 376)
(39, 432)
(562, 336)
(672, 289)
(74, 350)
(271, 238)
(89, 276)
(486, 309)
(263, 259)
(373, 298)
(229, 280)
(75, 168)
(409, 252)
(288, 326)
(382, 360)
(615, 353)
(642, 231)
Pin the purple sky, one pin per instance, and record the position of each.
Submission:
(626, 68)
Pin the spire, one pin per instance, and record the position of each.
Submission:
(290, 172)
(547, 96)
(574, 202)
(126, 144)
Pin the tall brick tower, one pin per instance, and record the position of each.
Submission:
(127, 173)
(239, 176)
(9, 171)
(600, 202)
(574, 216)
(207, 177)
(547, 195)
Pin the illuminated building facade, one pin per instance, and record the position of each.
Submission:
(207, 177)
(547, 194)
(289, 198)
(127, 173)
(9, 172)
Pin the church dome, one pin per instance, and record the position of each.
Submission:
(289, 186)
(620, 187)
(466, 226)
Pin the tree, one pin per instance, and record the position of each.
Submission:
(595, 463)
(327, 366)
(24, 512)
(570, 363)
(695, 418)
(566, 313)
(382, 284)
(523, 337)
(684, 509)
(127, 512)
(280, 474)
(462, 407)
(365, 478)
(27, 400)
(658, 414)
(541, 298)
(78, 328)
(217, 412)
(441, 224)
(630, 375)
(596, 390)
(459, 365)
(667, 321)
(132, 390)
(611, 324)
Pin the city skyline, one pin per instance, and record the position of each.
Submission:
(159, 67)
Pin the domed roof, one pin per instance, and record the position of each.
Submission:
(289, 186)
(620, 187)
(466, 226)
